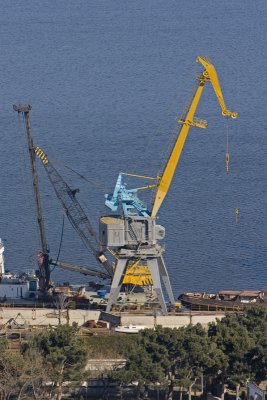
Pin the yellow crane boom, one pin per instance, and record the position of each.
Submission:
(209, 75)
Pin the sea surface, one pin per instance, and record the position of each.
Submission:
(107, 81)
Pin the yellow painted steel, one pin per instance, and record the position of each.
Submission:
(135, 274)
(138, 275)
(209, 74)
(41, 154)
(142, 279)
(141, 176)
(146, 187)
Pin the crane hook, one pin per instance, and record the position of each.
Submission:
(227, 159)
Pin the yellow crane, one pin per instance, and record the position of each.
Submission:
(208, 75)
(135, 234)
(134, 274)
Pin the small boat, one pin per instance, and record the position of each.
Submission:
(224, 300)
(129, 328)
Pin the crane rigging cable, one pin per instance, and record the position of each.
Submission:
(227, 161)
(128, 198)
(169, 143)
(208, 75)
(74, 211)
(151, 138)
(227, 155)
(61, 240)
(69, 202)
(97, 184)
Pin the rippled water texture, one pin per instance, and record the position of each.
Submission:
(106, 80)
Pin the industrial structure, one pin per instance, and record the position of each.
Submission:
(43, 255)
(134, 234)
(72, 209)
(131, 233)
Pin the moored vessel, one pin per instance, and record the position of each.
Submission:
(224, 300)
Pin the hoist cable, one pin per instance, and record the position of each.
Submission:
(227, 156)
(61, 240)
(172, 137)
(97, 185)
(92, 182)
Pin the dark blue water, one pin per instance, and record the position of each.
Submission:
(106, 80)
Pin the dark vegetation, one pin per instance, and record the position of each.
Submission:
(46, 362)
(228, 354)
(114, 346)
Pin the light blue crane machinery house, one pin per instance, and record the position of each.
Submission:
(134, 235)
(128, 198)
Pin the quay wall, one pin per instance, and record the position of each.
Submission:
(171, 321)
(47, 316)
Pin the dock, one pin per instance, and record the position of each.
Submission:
(44, 317)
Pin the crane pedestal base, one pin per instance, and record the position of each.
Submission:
(157, 269)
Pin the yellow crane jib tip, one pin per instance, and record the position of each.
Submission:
(227, 113)
(203, 61)
(39, 152)
(208, 75)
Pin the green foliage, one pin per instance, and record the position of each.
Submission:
(63, 351)
(3, 345)
(110, 346)
(243, 340)
(232, 351)
(197, 355)
(167, 356)
(255, 322)
(11, 367)
(146, 362)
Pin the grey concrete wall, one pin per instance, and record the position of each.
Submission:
(46, 316)
(170, 321)
(144, 320)
(204, 320)
(114, 320)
